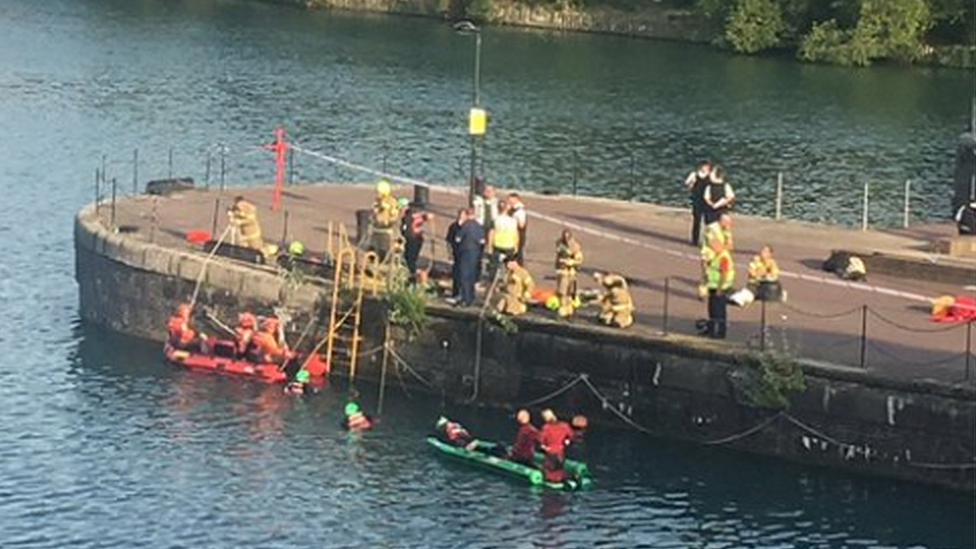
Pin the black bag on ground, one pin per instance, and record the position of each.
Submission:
(846, 266)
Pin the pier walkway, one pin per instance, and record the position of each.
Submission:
(882, 325)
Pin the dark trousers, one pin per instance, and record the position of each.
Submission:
(520, 252)
(467, 262)
(456, 273)
(411, 253)
(717, 309)
(697, 213)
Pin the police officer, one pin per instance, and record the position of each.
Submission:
(696, 182)
(469, 243)
(616, 305)
(569, 257)
(718, 196)
(518, 289)
(386, 211)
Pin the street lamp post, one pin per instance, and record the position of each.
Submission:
(475, 129)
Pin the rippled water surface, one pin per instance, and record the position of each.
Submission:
(102, 445)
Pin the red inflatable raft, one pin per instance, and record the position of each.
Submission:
(223, 360)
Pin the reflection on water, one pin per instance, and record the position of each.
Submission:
(150, 455)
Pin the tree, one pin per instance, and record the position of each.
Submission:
(755, 25)
(892, 29)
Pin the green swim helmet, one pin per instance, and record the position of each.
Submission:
(302, 376)
(296, 247)
(352, 408)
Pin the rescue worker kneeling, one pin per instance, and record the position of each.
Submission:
(181, 335)
(616, 305)
(518, 290)
(266, 346)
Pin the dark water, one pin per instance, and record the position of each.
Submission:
(101, 445)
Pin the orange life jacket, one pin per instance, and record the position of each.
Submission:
(358, 422)
(267, 346)
(180, 333)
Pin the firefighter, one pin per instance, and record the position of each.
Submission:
(569, 257)
(181, 335)
(386, 211)
(616, 305)
(244, 217)
(518, 290)
(268, 347)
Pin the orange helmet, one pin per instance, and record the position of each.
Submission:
(246, 320)
(270, 324)
(183, 311)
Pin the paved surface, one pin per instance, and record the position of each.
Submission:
(822, 320)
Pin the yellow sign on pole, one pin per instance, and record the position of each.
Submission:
(477, 121)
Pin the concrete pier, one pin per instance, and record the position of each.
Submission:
(888, 391)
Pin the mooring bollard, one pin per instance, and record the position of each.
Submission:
(908, 198)
(779, 196)
(864, 208)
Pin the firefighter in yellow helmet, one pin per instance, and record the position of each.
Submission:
(569, 257)
(616, 305)
(518, 289)
(386, 211)
(244, 217)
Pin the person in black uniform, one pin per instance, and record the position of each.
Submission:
(412, 230)
(718, 196)
(470, 241)
(451, 238)
(966, 219)
(696, 183)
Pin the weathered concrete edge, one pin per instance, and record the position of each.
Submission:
(692, 347)
(259, 283)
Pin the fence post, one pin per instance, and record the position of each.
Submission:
(633, 175)
(864, 207)
(667, 294)
(908, 198)
(213, 228)
(135, 171)
(969, 347)
(223, 165)
(284, 230)
(762, 326)
(779, 196)
(114, 185)
(291, 166)
(98, 175)
(154, 221)
(206, 176)
(575, 170)
(864, 334)
(170, 162)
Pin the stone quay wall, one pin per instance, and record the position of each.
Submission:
(670, 386)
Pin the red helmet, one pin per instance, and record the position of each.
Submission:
(183, 310)
(246, 320)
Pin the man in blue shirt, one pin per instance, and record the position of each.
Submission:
(469, 240)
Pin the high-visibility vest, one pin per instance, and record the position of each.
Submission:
(713, 271)
(506, 233)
